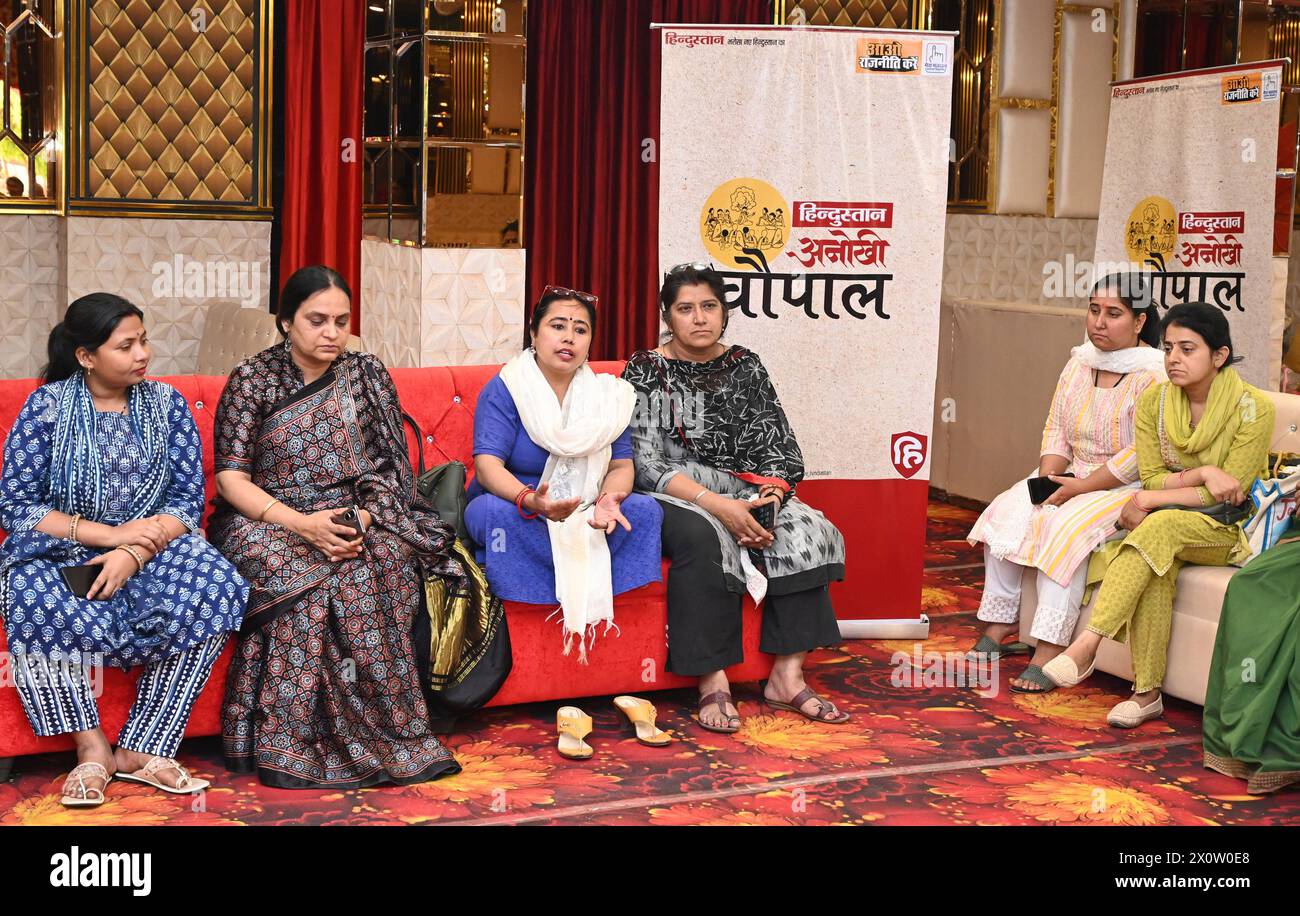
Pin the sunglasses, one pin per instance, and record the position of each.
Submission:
(572, 294)
(689, 265)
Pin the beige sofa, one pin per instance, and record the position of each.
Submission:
(232, 333)
(1198, 600)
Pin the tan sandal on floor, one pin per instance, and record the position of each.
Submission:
(720, 699)
(1130, 715)
(573, 725)
(641, 713)
(147, 775)
(1063, 672)
(85, 799)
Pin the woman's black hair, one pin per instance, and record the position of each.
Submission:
(1135, 292)
(301, 286)
(691, 275)
(1206, 320)
(88, 322)
(556, 295)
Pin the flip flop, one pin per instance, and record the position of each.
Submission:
(987, 648)
(721, 699)
(825, 710)
(1034, 675)
(86, 800)
(146, 775)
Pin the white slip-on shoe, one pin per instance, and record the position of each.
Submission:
(1063, 672)
(1130, 715)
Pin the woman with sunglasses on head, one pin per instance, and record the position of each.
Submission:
(714, 447)
(317, 507)
(551, 505)
(103, 477)
(1202, 441)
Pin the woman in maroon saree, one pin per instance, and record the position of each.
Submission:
(324, 690)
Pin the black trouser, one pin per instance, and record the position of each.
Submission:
(704, 616)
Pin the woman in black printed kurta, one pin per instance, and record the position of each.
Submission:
(711, 442)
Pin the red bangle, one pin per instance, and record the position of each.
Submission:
(519, 502)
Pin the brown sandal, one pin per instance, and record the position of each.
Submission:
(719, 698)
(826, 711)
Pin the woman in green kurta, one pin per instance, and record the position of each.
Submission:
(1202, 439)
(1252, 703)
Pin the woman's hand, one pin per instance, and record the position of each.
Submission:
(116, 566)
(143, 532)
(1223, 486)
(1070, 488)
(338, 542)
(608, 513)
(557, 510)
(734, 515)
(1133, 513)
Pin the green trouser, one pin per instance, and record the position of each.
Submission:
(1137, 593)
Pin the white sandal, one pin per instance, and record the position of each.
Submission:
(85, 799)
(185, 785)
(1063, 672)
(1130, 715)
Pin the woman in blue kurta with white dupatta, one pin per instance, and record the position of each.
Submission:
(104, 469)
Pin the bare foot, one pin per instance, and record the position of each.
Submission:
(1043, 654)
(92, 747)
(129, 761)
(714, 715)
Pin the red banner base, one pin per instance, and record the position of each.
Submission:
(883, 523)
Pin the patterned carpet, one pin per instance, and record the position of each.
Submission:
(915, 753)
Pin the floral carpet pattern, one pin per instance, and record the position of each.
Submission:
(929, 743)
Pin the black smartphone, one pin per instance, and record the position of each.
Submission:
(80, 578)
(352, 519)
(765, 515)
(1042, 487)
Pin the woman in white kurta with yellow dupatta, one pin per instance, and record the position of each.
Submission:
(1090, 434)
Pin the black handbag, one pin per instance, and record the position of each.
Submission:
(443, 486)
(462, 643)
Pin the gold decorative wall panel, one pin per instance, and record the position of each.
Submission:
(171, 108)
(882, 14)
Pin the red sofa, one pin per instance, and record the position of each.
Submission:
(442, 401)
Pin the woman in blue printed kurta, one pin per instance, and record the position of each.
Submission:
(105, 469)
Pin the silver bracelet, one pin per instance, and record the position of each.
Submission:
(696, 500)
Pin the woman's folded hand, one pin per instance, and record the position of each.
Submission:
(1223, 486)
(143, 532)
(735, 516)
(338, 542)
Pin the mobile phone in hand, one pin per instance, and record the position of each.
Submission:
(765, 515)
(1042, 487)
(350, 518)
(80, 578)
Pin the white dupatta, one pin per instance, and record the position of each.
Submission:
(578, 436)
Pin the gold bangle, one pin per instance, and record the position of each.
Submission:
(72, 527)
(139, 561)
(262, 517)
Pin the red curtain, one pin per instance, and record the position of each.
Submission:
(591, 211)
(324, 44)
